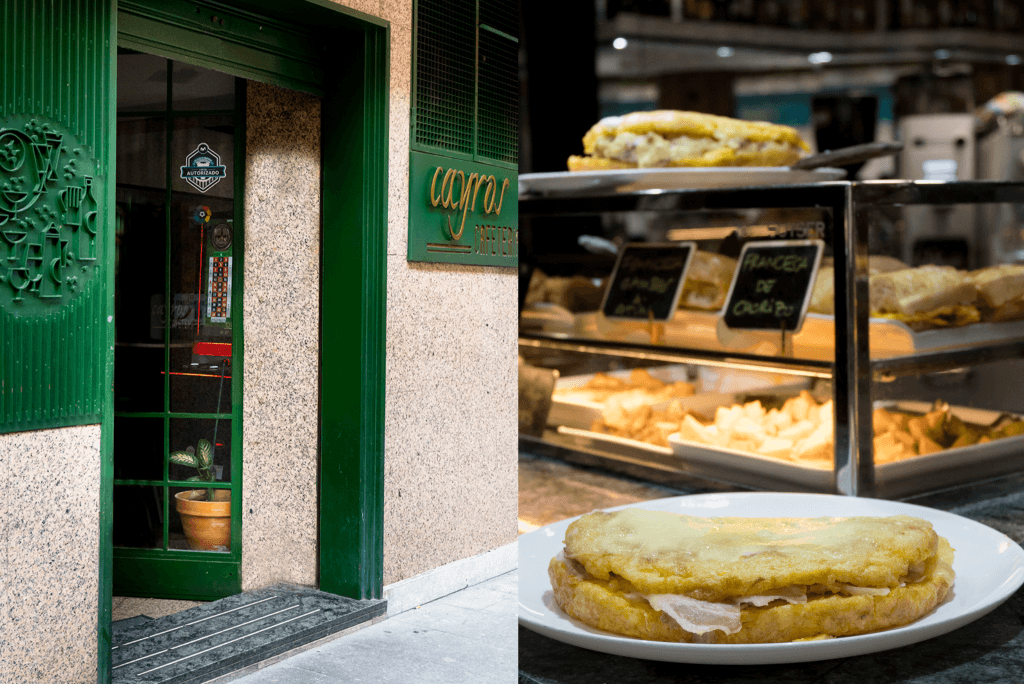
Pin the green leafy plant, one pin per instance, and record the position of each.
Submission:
(201, 459)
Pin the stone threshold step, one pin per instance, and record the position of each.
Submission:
(225, 636)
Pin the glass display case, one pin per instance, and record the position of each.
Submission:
(904, 376)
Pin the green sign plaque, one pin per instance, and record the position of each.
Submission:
(462, 212)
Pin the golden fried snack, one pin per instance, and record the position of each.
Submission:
(925, 297)
(801, 431)
(575, 294)
(921, 290)
(666, 138)
(707, 281)
(1000, 292)
(640, 388)
(667, 577)
(823, 295)
(643, 423)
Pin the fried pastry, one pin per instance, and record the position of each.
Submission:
(923, 298)
(707, 281)
(1000, 292)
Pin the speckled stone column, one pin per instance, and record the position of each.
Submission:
(282, 311)
(450, 488)
(49, 555)
(450, 477)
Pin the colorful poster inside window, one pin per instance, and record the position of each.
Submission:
(218, 291)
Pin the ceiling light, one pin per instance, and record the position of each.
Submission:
(725, 51)
(1013, 60)
(819, 57)
(620, 43)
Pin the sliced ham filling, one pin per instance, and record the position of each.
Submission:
(701, 617)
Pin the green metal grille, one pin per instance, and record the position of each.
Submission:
(501, 15)
(445, 69)
(466, 79)
(498, 130)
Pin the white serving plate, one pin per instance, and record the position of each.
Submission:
(628, 180)
(989, 569)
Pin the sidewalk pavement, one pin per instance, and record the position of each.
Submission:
(468, 637)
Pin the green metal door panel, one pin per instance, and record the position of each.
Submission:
(55, 160)
(172, 577)
(283, 42)
(353, 276)
(215, 36)
(56, 233)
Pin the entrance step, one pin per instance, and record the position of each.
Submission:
(225, 636)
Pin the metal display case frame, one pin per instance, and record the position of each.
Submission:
(853, 370)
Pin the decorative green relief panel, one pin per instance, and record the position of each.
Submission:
(50, 249)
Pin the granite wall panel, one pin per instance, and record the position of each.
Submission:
(49, 555)
(282, 311)
(451, 430)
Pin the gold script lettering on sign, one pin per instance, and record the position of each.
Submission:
(490, 239)
(497, 240)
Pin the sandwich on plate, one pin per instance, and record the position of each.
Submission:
(668, 577)
(667, 138)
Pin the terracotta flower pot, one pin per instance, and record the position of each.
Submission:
(207, 523)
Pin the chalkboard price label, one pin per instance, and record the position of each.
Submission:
(772, 285)
(648, 280)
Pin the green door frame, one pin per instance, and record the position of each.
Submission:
(322, 48)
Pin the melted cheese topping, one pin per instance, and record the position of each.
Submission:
(727, 540)
(652, 150)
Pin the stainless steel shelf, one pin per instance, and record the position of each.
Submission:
(941, 360)
(748, 362)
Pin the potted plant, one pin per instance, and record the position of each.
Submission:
(205, 513)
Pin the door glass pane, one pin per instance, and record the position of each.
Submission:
(139, 516)
(139, 310)
(139, 448)
(187, 433)
(198, 89)
(203, 268)
(202, 157)
(142, 153)
(199, 527)
(141, 248)
(141, 82)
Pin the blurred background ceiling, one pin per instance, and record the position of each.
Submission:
(811, 64)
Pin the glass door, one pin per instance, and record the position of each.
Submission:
(177, 379)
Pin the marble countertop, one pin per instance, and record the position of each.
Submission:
(989, 650)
